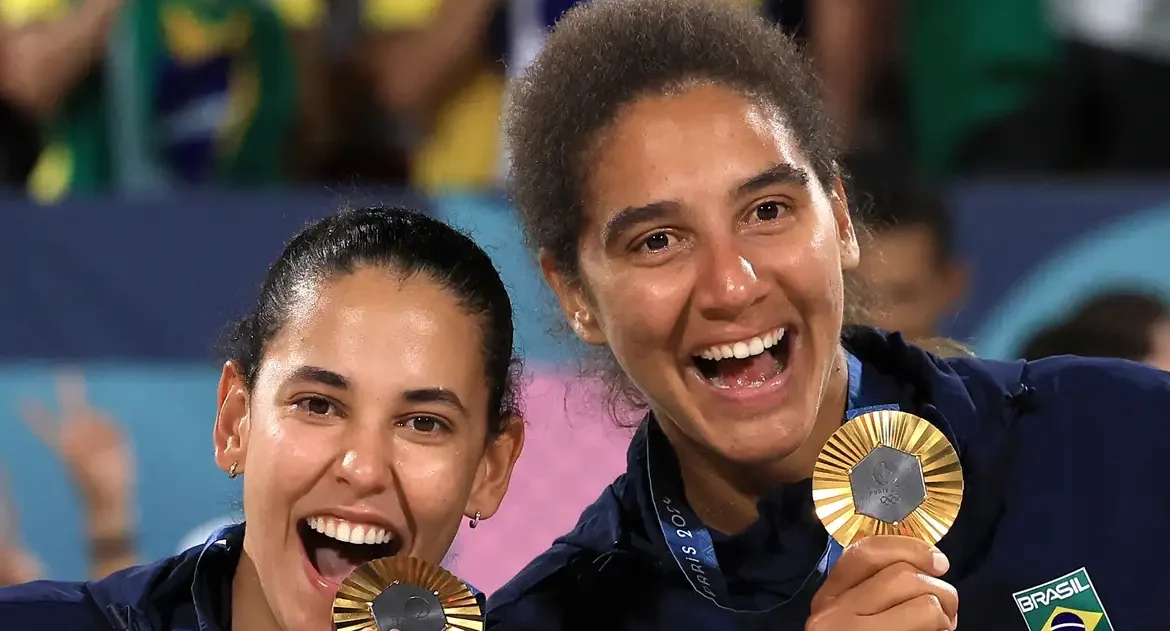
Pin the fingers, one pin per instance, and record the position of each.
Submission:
(71, 394)
(901, 583)
(924, 613)
(871, 555)
(37, 418)
(74, 409)
(886, 582)
(72, 404)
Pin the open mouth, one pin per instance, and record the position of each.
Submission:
(750, 363)
(336, 546)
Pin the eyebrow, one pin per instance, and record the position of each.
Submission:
(627, 218)
(434, 395)
(415, 395)
(321, 376)
(776, 174)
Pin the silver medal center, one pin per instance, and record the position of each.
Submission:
(887, 484)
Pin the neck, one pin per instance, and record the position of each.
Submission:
(725, 494)
(250, 608)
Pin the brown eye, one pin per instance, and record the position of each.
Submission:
(770, 211)
(425, 424)
(656, 241)
(317, 406)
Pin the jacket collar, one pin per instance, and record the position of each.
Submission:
(193, 588)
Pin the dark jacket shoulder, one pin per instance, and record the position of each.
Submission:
(606, 552)
(105, 604)
(51, 605)
(139, 598)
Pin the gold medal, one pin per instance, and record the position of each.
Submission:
(405, 594)
(887, 473)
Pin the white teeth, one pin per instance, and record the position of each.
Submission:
(756, 347)
(349, 532)
(744, 348)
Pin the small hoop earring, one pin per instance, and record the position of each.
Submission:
(232, 473)
(474, 520)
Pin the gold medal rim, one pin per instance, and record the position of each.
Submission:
(941, 471)
(353, 605)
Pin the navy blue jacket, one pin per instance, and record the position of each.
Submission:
(187, 592)
(1066, 464)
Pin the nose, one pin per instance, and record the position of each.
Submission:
(364, 465)
(727, 283)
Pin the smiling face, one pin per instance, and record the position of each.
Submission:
(711, 264)
(367, 424)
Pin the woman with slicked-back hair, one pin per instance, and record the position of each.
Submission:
(680, 184)
(367, 405)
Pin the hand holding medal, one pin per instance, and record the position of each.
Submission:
(405, 594)
(887, 473)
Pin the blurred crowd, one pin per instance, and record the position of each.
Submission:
(152, 96)
(146, 96)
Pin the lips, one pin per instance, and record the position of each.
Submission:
(750, 363)
(335, 546)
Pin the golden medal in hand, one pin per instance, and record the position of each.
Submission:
(887, 473)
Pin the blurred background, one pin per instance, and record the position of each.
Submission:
(1011, 156)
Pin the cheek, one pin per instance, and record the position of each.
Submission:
(435, 484)
(284, 461)
(435, 480)
(644, 307)
(822, 261)
(808, 270)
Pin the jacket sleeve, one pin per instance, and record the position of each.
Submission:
(50, 605)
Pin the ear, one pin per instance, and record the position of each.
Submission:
(574, 303)
(231, 421)
(846, 235)
(495, 469)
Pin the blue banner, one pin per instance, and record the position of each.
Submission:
(144, 279)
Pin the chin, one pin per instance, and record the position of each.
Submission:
(759, 441)
(304, 608)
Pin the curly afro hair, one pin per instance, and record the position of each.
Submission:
(605, 54)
